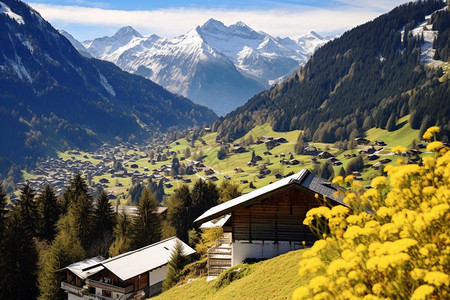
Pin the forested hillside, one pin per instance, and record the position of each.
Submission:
(371, 76)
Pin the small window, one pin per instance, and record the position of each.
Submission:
(106, 293)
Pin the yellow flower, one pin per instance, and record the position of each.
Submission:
(422, 292)
(338, 180)
(356, 185)
(437, 278)
(434, 146)
(349, 178)
(301, 293)
(417, 273)
(323, 296)
(377, 289)
(427, 136)
(378, 181)
(398, 149)
(434, 129)
(318, 283)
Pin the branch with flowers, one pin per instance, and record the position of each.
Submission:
(392, 241)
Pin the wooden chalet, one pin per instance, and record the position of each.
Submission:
(266, 222)
(132, 275)
(75, 279)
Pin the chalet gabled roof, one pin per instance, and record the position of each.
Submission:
(304, 179)
(145, 259)
(78, 268)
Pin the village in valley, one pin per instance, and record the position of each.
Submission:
(250, 161)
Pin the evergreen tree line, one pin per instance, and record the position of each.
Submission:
(371, 76)
(42, 233)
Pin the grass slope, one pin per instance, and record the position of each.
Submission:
(403, 135)
(275, 278)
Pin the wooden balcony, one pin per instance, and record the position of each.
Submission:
(109, 287)
(70, 288)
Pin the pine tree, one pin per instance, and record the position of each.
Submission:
(356, 164)
(3, 211)
(299, 147)
(80, 214)
(326, 170)
(179, 212)
(76, 189)
(342, 172)
(66, 249)
(49, 213)
(19, 260)
(228, 190)
(176, 264)
(391, 123)
(27, 208)
(148, 223)
(3, 223)
(187, 152)
(204, 196)
(104, 220)
(122, 236)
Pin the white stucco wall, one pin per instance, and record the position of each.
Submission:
(73, 297)
(242, 250)
(158, 274)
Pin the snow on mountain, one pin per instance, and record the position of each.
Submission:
(213, 64)
(104, 46)
(311, 41)
(7, 11)
(80, 48)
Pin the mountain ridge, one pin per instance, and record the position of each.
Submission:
(364, 78)
(195, 63)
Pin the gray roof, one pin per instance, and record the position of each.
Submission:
(304, 179)
(133, 263)
(78, 268)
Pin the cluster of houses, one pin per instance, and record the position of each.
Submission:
(58, 173)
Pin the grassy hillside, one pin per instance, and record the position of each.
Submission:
(209, 148)
(275, 278)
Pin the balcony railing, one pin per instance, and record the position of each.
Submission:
(109, 287)
(70, 288)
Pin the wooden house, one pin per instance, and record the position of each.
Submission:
(75, 279)
(132, 275)
(268, 221)
(362, 141)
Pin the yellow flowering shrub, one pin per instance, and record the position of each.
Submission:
(391, 242)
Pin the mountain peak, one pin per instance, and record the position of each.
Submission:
(213, 25)
(127, 31)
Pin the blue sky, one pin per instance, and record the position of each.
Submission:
(289, 18)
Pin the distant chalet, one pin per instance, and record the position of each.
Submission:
(266, 222)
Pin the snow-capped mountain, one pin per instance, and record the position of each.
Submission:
(215, 65)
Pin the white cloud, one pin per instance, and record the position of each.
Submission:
(176, 21)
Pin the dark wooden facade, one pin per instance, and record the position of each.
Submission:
(74, 279)
(138, 282)
(278, 218)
